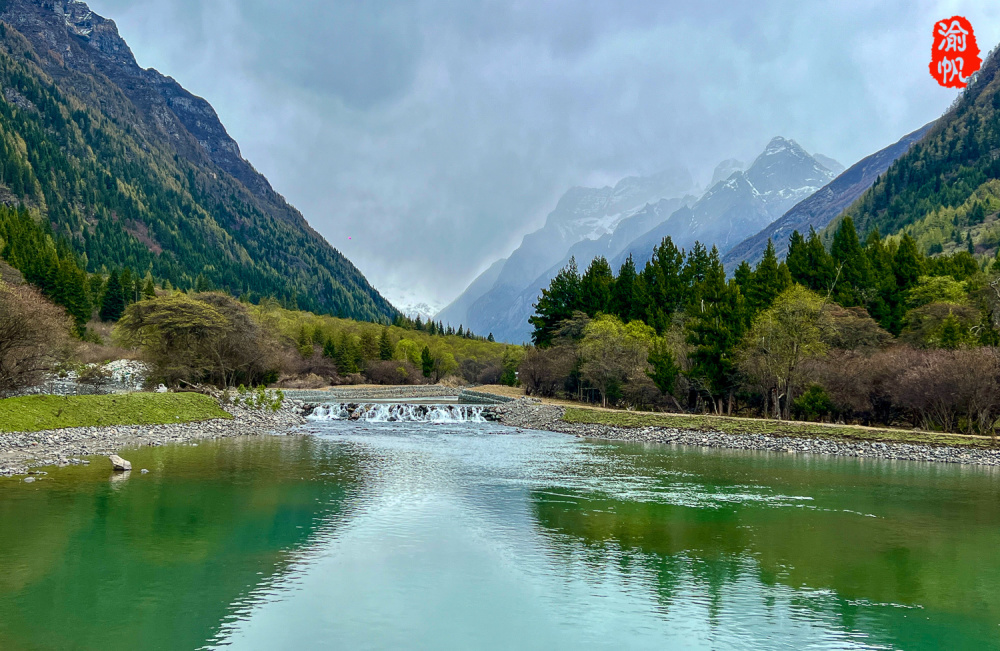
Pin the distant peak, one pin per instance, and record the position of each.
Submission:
(779, 144)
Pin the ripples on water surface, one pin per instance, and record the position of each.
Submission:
(473, 536)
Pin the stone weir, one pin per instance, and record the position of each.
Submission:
(400, 413)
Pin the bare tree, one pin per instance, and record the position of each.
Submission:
(34, 336)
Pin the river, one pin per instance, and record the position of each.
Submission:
(411, 535)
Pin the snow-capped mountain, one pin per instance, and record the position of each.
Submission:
(581, 214)
(631, 219)
(780, 177)
(817, 210)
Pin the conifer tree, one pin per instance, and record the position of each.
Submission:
(665, 283)
(767, 282)
(149, 287)
(718, 321)
(113, 305)
(855, 282)
(347, 354)
(556, 304)
(596, 287)
(385, 347)
(809, 263)
(627, 296)
(426, 362)
(329, 349)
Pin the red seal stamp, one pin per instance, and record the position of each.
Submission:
(955, 54)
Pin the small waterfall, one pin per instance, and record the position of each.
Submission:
(399, 413)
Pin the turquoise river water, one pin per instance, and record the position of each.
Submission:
(476, 536)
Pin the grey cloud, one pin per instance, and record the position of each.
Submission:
(435, 133)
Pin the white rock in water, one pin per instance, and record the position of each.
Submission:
(144, 471)
(120, 464)
(161, 389)
(28, 480)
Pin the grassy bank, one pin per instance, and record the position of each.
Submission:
(35, 413)
(727, 425)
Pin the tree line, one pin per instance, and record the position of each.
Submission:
(681, 334)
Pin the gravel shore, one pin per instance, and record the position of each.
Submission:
(19, 452)
(531, 415)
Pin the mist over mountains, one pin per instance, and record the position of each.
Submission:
(583, 226)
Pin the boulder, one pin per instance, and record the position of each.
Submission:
(119, 464)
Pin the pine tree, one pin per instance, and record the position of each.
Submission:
(329, 349)
(596, 287)
(426, 362)
(74, 295)
(304, 342)
(718, 321)
(556, 304)
(113, 305)
(369, 346)
(854, 286)
(128, 286)
(626, 295)
(347, 354)
(665, 283)
(809, 263)
(149, 288)
(908, 266)
(385, 347)
(664, 370)
(767, 282)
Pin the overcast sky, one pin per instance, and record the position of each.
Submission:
(436, 133)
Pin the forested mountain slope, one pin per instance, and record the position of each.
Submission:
(820, 208)
(134, 171)
(944, 192)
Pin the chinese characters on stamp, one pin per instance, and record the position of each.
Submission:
(954, 54)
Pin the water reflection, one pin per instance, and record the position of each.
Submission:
(163, 559)
(458, 536)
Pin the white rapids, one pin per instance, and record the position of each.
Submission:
(389, 413)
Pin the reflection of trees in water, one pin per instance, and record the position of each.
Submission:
(830, 562)
(159, 559)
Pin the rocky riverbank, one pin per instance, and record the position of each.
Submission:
(20, 452)
(531, 415)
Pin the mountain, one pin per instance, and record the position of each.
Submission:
(819, 208)
(945, 191)
(512, 323)
(747, 201)
(457, 312)
(133, 170)
(725, 169)
(580, 214)
(829, 163)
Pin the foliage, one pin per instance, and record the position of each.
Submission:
(259, 399)
(813, 404)
(781, 339)
(121, 193)
(206, 337)
(614, 353)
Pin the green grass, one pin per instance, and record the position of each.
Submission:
(35, 413)
(727, 425)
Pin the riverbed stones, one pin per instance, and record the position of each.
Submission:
(21, 451)
(522, 414)
(119, 464)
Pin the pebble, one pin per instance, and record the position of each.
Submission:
(528, 415)
(21, 451)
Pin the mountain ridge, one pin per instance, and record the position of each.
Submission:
(819, 208)
(144, 173)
